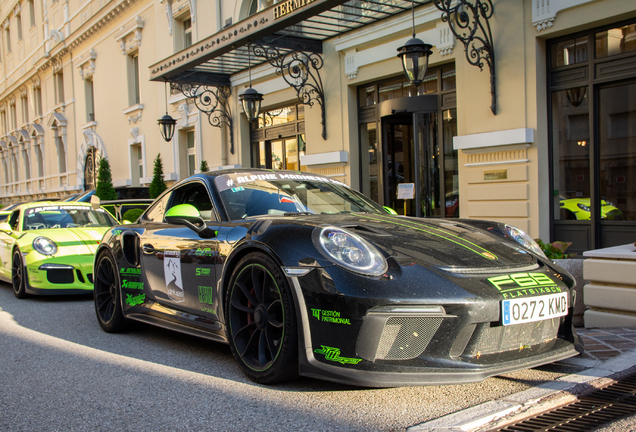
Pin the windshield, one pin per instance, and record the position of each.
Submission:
(66, 216)
(273, 194)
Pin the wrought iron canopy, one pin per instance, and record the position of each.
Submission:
(288, 27)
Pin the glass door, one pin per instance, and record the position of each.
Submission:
(409, 157)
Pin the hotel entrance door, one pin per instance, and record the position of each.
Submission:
(409, 157)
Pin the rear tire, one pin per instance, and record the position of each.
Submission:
(18, 275)
(106, 295)
(261, 320)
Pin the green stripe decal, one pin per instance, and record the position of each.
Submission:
(486, 254)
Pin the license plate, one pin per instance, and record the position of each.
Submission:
(529, 309)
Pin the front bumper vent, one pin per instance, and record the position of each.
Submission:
(398, 332)
(490, 340)
(406, 338)
(60, 276)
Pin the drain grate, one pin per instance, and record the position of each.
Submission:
(595, 409)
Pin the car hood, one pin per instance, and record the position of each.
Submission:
(443, 244)
(83, 240)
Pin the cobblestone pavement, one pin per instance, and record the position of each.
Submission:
(605, 343)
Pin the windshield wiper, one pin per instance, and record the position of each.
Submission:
(297, 213)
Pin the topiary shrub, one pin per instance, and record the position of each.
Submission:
(133, 214)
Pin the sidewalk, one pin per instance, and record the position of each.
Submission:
(603, 344)
(608, 352)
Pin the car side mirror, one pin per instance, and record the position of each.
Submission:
(188, 215)
(389, 210)
(4, 226)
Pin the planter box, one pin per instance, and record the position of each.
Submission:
(611, 292)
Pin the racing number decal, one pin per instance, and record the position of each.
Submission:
(172, 273)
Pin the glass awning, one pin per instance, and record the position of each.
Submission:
(286, 27)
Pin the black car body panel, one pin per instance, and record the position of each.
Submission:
(433, 317)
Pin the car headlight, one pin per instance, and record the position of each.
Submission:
(350, 251)
(583, 207)
(44, 246)
(524, 239)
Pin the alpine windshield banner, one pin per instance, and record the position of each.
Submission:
(233, 181)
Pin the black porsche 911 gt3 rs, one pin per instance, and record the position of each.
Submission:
(300, 274)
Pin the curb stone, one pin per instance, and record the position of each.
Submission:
(533, 401)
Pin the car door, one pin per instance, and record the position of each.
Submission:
(177, 263)
(7, 240)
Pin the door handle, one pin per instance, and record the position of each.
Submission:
(148, 249)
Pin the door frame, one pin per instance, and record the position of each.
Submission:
(399, 111)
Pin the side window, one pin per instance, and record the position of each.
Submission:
(195, 194)
(14, 219)
(156, 210)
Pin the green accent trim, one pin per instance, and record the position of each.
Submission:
(183, 210)
(486, 254)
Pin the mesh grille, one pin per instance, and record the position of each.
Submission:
(60, 276)
(406, 338)
(513, 337)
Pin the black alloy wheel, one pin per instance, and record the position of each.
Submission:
(106, 295)
(18, 275)
(261, 321)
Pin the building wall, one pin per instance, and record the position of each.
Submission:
(503, 158)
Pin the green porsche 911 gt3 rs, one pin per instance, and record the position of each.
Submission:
(49, 247)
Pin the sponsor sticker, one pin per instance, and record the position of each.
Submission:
(134, 300)
(206, 295)
(202, 271)
(333, 354)
(172, 274)
(329, 316)
(524, 284)
(130, 272)
(132, 285)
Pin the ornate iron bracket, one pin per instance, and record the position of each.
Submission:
(468, 20)
(211, 100)
(300, 70)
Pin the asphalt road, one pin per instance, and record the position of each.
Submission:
(60, 371)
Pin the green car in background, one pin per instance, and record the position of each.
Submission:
(49, 247)
(579, 209)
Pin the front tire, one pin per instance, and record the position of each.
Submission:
(261, 320)
(106, 295)
(18, 275)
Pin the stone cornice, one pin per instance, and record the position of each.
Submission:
(88, 30)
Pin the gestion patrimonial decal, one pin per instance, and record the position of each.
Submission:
(523, 284)
(333, 354)
(329, 316)
(172, 273)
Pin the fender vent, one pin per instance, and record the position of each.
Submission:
(406, 338)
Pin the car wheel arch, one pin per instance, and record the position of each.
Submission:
(107, 249)
(236, 256)
(238, 253)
